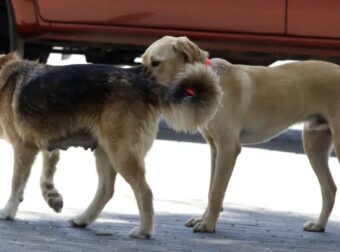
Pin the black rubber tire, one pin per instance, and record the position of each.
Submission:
(4, 29)
(37, 52)
(10, 40)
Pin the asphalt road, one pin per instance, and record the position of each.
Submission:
(273, 191)
(270, 196)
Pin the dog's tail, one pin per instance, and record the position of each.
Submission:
(193, 98)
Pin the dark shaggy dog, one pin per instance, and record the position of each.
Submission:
(111, 110)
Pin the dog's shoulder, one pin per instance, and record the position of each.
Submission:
(221, 66)
(229, 72)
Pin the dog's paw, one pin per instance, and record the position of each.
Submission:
(140, 234)
(78, 222)
(204, 227)
(6, 215)
(193, 222)
(52, 197)
(9, 211)
(55, 202)
(313, 227)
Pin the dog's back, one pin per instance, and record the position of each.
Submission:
(57, 102)
(54, 101)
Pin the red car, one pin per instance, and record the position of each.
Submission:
(115, 31)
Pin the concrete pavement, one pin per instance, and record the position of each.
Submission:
(271, 195)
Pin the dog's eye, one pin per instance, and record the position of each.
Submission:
(155, 63)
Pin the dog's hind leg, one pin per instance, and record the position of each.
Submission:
(48, 190)
(105, 189)
(130, 165)
(317, 145)
(23, 159)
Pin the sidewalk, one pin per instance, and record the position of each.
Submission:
(271, 195)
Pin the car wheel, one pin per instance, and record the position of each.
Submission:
(37, 52)
(10, 41)
(4, 29)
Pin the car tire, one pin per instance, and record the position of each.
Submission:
(11, 41)
(4, 29)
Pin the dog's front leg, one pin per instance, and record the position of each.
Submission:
(48, 190)
(105, 189)
(23, 159)
(213, 154)
(227, 153)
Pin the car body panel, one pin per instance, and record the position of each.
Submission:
(25, 17)
(264, 26)
(250, 16)
(313, 18)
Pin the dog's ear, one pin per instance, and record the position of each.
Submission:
(190, 50)
(143, 57)
(8, 57)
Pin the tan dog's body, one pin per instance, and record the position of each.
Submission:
(258, 104)
(114, 111)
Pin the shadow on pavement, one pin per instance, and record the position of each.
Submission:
(238, 229)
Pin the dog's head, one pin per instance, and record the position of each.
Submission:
(6, 58)
(167, 56)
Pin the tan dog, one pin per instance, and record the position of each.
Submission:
(111, 110)
(258, 104)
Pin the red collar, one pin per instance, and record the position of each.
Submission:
(207, 62)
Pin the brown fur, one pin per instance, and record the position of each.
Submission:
(114, 111)
(258, 104)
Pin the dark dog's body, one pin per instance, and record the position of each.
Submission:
(114, 111)
(72, 97)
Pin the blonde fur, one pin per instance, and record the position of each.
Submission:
(258, 104)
